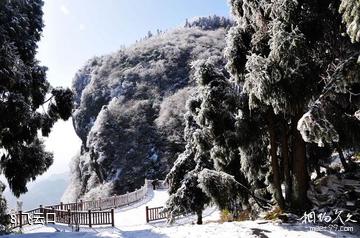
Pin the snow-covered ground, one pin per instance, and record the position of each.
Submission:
(248, 229)
(130, 223)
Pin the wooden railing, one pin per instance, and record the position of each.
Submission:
(89, 217)
(93, 212)
(107, 203)
(154, 214)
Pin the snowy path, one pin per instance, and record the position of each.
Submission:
(130, 223)
(133, 217)
(248, 229)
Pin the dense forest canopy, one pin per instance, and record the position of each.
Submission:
(289, 101)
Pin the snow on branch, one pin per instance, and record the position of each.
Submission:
(314, 127)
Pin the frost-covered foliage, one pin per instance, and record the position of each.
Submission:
(292, 61)
(209, 23)
(357, 114)
(350, 10)
(185, 193)
(4, 218)
(23, 90)
(144, 70)
(189, 198)
(219, 154)
(171, 123)
(314, 127)
(129, 127)
(224, 189)
(130, 106)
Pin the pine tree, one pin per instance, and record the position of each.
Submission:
(186, 196)
(295, 65)
(185, 193)
(23, 88)
(223, 152)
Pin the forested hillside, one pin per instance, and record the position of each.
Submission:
(129, 106)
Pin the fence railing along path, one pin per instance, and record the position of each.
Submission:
(93, 212)
(105, 203)
(155, 213)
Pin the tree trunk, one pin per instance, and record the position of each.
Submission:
(199, 217)
(285, 155)
(274, 163)
(342, 158)
(300, 178)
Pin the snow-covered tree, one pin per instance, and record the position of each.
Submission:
(298, 68)
(209, 23)
(185, 193)
(219, 154)
(23, 88)
(170, 123)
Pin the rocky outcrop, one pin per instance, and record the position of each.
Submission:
(339, 192)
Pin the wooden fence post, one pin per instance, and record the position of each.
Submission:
(44, 212)
(89, 214)
(147, 214)
(20, 219)
(53, 211)
(81, 205)
(69, 218)
(112, 217)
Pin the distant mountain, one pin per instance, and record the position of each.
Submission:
(129, 107)
(44, 191)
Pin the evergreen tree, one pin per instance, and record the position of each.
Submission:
(209, 23)
(219, 154)
(290, 57)
(23, 88)
(185, 194)
(294, 88)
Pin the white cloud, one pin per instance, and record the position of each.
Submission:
(82, 27)
(64, 10)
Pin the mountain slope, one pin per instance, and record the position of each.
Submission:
(129, 107)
